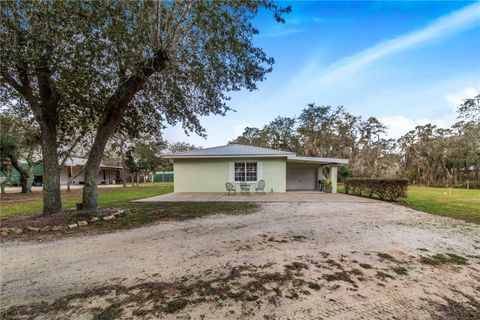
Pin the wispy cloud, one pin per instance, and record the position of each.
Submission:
(280, 31)
(459, 20)
(398, 125)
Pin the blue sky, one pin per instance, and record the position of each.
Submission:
(405, 62)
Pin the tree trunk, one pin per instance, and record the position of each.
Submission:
(69, 179)
(122, 155)
(23, 175)
(52, 201)
(92, 167)
(24, 183)
(24, 180)
(111, 118)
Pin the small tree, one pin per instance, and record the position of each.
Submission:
(132, 165)
(19, 144)
(6, 171)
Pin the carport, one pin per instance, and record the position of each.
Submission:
(309, 173)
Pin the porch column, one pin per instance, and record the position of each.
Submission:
(333, 178)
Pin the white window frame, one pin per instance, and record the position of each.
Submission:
(245, 172)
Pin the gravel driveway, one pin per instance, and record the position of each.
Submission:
(288, 260)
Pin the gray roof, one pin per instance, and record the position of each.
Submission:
(317, 160)
(230, 150)
(238, 150)
(80, 162)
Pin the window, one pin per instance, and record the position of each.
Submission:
(245, 171)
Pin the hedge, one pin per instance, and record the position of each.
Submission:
(472, 185)
(384, 189)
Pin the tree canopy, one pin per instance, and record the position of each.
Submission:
(427, 155)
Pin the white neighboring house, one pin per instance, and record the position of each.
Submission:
(73, 168)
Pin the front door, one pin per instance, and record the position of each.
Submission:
(301, 177)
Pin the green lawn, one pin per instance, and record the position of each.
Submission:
(460, 203)
(139, 214)
(108, 197)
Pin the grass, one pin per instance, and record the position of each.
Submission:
(458, 203)
(400, 270)
(110, 313)
(175, 305)
(138, 214)
(439, 259)
(18, 204)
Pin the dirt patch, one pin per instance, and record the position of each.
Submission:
(257, 288)
(194, 268)
(462, 307)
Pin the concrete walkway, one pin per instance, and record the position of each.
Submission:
(304, 196)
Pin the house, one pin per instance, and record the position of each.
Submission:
(73, 168)
(207, 170)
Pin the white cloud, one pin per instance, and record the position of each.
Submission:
(239, 128)
(461, 19)
(454, 100)
(280, 31)
(399, 125)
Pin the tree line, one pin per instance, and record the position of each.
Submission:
(427, 155)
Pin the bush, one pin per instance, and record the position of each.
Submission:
(472, 185)
(384, 189)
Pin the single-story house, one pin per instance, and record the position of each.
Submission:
(73, 168)
(207, 170)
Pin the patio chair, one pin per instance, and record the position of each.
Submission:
(244, 189)
(260, 187)
(230, 188)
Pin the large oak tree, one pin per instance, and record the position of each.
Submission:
(82, 63)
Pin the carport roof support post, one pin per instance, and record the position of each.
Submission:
(333, 178)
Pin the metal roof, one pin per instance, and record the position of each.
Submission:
(80, 162)
(238, 150)
(230, 150)
(317, 160)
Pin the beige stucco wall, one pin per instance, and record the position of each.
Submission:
(210, 175)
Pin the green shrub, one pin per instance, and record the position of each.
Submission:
(472, 185)
(384, 189)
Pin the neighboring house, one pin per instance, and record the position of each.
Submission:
(207, 170)
(73, 168)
